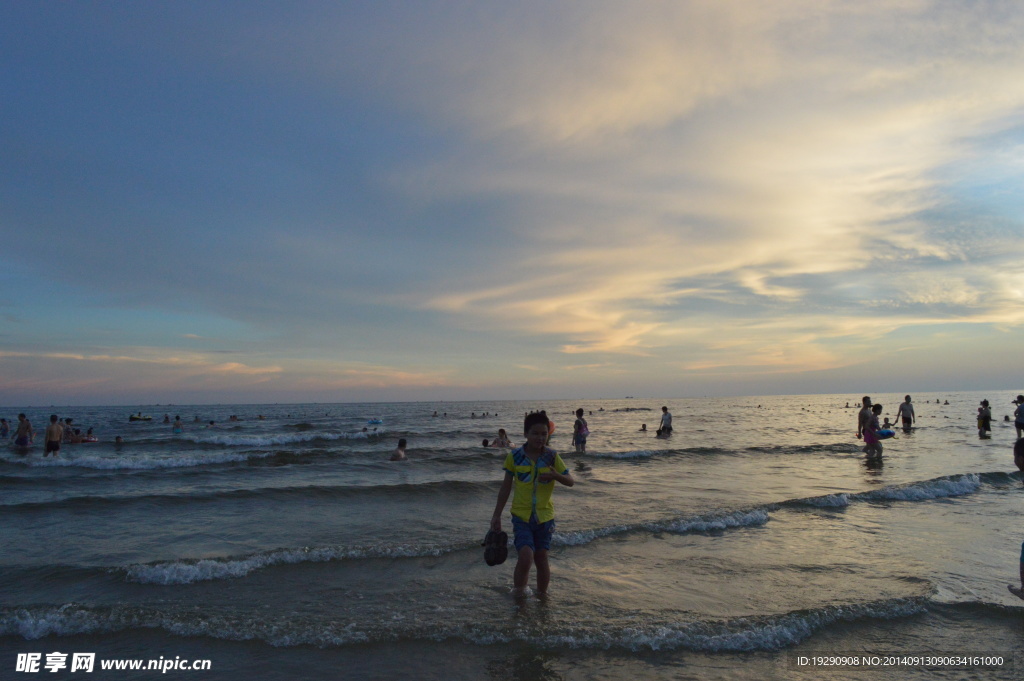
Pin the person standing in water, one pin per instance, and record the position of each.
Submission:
(666, 422)
(580, 431)
(54, 436)
(502, 439)
(23, 436)
(906, 413)
(1018, 415)
(864, 419)
(531, 472)
(984, 419)
(872, 442)
(1018, 591)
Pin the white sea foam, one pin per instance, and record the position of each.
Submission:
(582, 537)
(748, 518)
(708, 523)
(954, 486)
(740, 634)
(238, 440)
(638, 454)
(768, 632)
(63, 621)
(828, 501)
(131, 462)
(189, 572)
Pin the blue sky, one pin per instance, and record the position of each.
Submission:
(305, 201)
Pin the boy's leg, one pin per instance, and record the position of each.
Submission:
(1019, 592)
(521, 576)
(543, 571)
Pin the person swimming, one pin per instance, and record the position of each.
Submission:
(502, 439)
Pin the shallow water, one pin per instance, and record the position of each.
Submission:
(290, 547)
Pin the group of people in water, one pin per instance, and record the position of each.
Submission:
(59, 431)
(63, 431)
(869, 429)
(873, 433)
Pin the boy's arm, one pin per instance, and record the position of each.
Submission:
(503, 494)
(552, 474)
(564, 478)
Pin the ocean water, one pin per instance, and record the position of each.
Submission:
(290, 547)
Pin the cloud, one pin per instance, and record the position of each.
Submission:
(822, 162)
(183, 364)
(718, 186)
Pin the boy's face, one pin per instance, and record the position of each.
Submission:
(537, 435)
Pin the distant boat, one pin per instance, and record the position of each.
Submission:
(139, 417)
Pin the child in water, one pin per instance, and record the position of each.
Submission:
(531, 471)
(1018, 591)
(502, 439)
(580, 431)
(872, 444)
(984, 418)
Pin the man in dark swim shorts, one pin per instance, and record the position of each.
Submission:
(906, 413)
(23, 437)
(54, 434)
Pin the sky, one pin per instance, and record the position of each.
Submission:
(206, 202)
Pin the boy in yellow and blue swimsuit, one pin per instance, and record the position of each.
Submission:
(532, 471)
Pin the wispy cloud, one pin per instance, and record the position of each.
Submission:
(434, 198)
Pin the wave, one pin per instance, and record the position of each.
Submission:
(937, 488)
(741, 634)
(712, 522)
(719, 451)
(637, 454)
(832, 448)
(189, 572)
(651, 453)
(447, 488)
(233, 440)
(131, 462)
(178, 459)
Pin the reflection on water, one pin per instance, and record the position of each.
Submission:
(758, 526)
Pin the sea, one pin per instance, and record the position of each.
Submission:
(756, 542)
